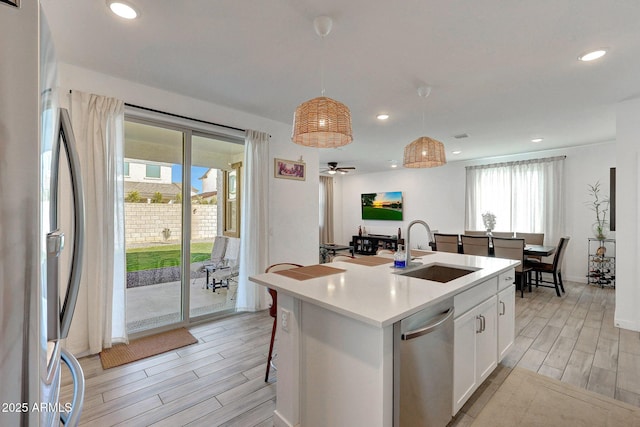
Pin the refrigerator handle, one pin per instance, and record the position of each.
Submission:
(73, 417)
(68, 307)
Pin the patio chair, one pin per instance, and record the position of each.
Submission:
(217, 257)
(230, 268)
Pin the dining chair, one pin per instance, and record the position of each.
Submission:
(502, 234)
(273, 310)
(446, 242)
(532, 239)
(475, 245)
(475, 233)
(554, 268)
(513, 249)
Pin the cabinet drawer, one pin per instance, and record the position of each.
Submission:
(506, 279)
(474, 296)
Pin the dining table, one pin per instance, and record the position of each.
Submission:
(539, 250)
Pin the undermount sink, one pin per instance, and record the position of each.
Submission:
(437, 273)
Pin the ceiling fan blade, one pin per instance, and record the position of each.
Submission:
(347, 167)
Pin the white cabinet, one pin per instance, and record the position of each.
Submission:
(475, 345)
(506, 320)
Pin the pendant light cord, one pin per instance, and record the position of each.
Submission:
(322, 60)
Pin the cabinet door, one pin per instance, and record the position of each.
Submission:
(506, 320)
(466, 327)
(486, 340)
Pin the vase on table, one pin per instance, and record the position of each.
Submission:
(600, 230)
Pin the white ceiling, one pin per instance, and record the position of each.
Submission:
(503, 72)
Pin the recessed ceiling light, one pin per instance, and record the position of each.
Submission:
(122, 9)
(456, 152)
(382, 116)
(395, 165)
(536, 140)
(590, 56)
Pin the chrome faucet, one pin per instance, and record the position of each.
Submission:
(408, 245)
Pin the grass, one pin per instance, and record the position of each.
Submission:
(370, 212)
(151, 257)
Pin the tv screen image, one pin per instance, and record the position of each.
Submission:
(385, 206)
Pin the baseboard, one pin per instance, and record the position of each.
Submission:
(631, 325)
(280, 421)
(577, 279)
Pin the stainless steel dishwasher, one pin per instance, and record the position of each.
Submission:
(423, 367)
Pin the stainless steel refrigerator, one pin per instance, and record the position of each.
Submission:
(36, 142)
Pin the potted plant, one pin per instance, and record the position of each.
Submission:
(600, 205)
(489, 221)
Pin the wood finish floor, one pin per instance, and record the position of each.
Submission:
(572, 339)
(220, 380)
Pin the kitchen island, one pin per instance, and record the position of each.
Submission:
(335, 335)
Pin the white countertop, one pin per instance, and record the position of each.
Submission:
(377, 296)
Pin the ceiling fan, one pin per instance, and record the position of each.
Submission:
(333, 169)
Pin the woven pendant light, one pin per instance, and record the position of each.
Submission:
(322, 122)
(424, 152)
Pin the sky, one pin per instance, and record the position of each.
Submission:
(196, 172)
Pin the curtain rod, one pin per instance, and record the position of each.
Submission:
(183, 117)
(517, 162)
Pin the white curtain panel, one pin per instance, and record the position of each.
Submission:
(526, 196)
(98, 124)
(254, 229)
(326, 209)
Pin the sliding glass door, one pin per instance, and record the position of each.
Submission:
(174, 210)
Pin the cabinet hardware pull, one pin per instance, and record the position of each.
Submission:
(504, 308)
(479, 330)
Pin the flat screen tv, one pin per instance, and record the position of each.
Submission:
(384, 206)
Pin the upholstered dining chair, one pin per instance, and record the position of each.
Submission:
(531, 239)
(273, 310)
(513, 249)
(553, 268)
(475, 245)
(502, 234)
(475, 233)
(446, 242)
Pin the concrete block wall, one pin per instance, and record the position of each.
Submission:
(146, 222)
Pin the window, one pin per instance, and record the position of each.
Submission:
(231, 197)
(153, 171)
(525, 196)
(126, 169)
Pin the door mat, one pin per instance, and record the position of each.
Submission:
(141, 348)
(527, 399)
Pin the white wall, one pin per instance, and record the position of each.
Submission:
(627, 294)
(437, 196)
(293, 204)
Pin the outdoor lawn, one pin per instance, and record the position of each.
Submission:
(164, 256)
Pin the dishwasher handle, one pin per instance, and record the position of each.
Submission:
(437, 322)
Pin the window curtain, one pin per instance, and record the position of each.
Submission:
(326, 209)
(254, 234)
(98, 124)
(525, 196)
